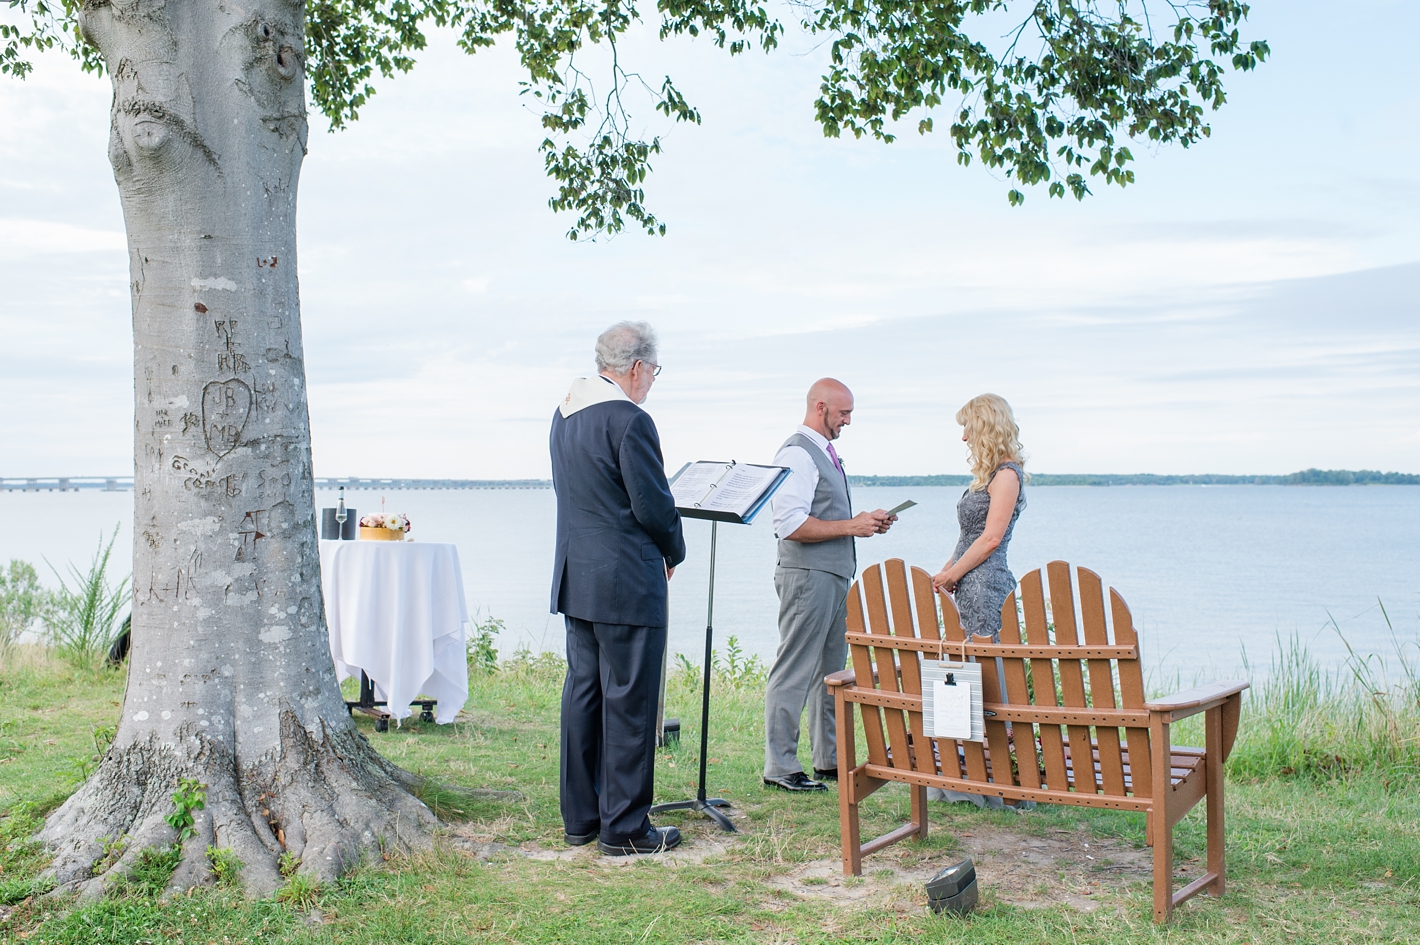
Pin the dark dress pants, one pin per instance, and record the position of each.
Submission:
(608, 728)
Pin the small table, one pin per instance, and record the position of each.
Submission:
(396, 614)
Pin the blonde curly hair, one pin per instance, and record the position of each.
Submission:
(991, 435)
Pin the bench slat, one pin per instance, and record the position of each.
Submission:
(1008, 792)
(886, 660)
(1101, 680)
(1041, 672)
(924, 602)
(863, 669)
(1072, 680)
(1053, 715)
(1027, 759)
(934, 649)
(1131, 692)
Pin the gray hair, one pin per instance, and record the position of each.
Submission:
(623, 344)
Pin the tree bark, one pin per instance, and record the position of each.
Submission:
(230, 675)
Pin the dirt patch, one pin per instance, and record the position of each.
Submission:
(1063, 867)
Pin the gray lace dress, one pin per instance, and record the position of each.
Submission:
(982, 590)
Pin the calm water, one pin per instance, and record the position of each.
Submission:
(1206, 570)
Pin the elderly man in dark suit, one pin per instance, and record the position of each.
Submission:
(618, 542)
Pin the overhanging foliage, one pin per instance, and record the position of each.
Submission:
(1077, 81)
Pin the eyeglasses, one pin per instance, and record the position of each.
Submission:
(655, 368)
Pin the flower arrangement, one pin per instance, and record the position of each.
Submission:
(391, 520)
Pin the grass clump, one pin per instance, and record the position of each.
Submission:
(226, 866)
(300, 891)
(149, 874)
(21, 856)
(1309, 721)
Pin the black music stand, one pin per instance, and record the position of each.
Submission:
(701, 803)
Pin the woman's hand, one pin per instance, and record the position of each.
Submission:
(942, 582)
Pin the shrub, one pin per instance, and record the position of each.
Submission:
(735, 670)
(22, 600)
(483, 646)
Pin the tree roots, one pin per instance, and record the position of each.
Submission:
(323, 800)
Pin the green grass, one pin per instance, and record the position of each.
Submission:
(1327, 856)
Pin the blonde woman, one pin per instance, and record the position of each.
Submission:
(977, 575)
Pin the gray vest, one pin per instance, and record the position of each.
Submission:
(832, 503)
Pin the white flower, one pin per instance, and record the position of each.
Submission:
(392, 521)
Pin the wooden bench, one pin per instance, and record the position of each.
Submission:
(1050, 737)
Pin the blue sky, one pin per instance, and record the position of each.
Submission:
(1249, 306)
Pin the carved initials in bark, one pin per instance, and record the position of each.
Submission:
(226, 405)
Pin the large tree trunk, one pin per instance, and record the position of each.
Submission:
(230, 677)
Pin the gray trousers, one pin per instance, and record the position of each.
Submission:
(813, 616)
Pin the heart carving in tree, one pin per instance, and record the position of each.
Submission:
(226, 405)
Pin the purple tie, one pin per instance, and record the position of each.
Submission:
(833, 455)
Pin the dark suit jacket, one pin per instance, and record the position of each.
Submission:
(617, 526)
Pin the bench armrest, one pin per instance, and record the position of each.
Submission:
(844, 677)
(1181, 705)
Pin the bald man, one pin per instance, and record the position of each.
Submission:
(815, 524)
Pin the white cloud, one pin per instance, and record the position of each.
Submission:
(26, 238)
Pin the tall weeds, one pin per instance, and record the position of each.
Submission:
(1308, 720)
(83, 619)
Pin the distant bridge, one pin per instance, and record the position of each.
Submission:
(125, 484)
(374, 485)
(68, 484)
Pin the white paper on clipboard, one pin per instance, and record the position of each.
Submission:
(967, 676)
(951, 710)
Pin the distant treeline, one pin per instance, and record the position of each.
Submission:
(1307, 477)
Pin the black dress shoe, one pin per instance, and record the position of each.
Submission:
(579, 839)
(655, 840)
(798, 782)
(826, 774)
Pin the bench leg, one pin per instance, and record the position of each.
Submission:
(848, 826)
(1213, 721)
(1162, 829)
(919, 810)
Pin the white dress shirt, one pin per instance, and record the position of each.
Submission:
(796, 496)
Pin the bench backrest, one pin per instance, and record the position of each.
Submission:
(1072, 681)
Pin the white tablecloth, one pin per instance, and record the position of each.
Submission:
(396, 610)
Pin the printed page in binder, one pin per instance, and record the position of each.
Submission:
(730, 491)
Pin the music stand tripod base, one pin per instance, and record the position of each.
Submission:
(706, 807)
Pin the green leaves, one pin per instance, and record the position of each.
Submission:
(39, 25)
(190, 796)
(601, 184)
(1096, 72)
(1055, 102)
(348, 41)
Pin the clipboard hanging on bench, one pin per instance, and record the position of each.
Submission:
(952, 700)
